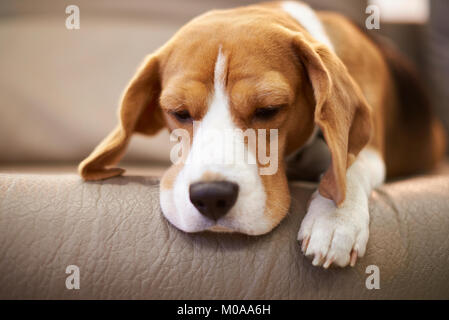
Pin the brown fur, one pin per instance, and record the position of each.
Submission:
(406, 131)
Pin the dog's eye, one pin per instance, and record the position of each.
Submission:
(182, 115)
(266, 113)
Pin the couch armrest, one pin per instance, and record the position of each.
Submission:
(114, 232)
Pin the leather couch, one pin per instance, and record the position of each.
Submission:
(59, 92)
(125, 249)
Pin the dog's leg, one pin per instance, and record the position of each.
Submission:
(338, 235)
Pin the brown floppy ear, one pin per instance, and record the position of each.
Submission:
(341, 112)
(139, 112)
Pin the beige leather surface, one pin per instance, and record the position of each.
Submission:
(115, 233)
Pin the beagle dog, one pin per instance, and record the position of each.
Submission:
(297, 73)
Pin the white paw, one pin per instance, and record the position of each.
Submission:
(335, 235)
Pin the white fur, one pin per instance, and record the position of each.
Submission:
(309, 20)
(330, 234)
(206, 155)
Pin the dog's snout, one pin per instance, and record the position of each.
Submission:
(215, 198)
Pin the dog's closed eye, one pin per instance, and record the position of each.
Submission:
(266, 113)
(182, 115)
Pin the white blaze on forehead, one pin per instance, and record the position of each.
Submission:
(220, 73)
(309, 20)
(209, 144)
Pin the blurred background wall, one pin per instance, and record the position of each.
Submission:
(60, 88)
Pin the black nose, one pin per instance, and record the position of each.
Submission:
(213, 199)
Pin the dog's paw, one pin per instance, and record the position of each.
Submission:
(334, 235)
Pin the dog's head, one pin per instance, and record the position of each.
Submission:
(250, 68)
